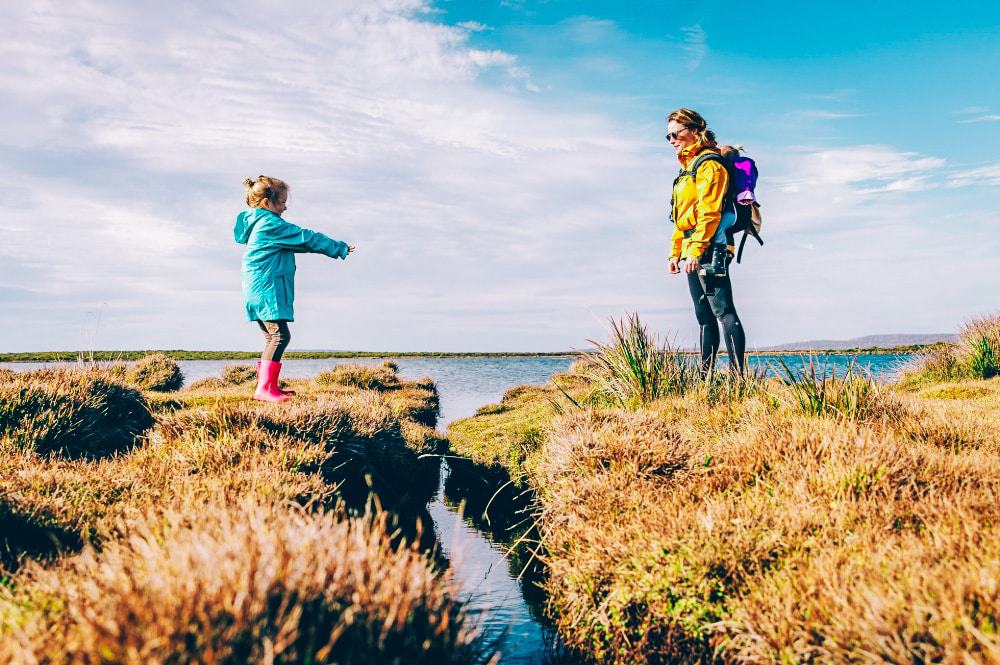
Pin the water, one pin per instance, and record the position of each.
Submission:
(468, 383)
(494, 594)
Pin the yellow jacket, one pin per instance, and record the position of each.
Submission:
(697, 204)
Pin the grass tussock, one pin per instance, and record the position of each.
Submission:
(818, 391)
(155, 372)
(975, 355)
(812, 519)
(503, 436)
(222, 515)
(247, 582)
(82, 412)
(324, 448)
(238, 375)
(380, 377)
(635, 369)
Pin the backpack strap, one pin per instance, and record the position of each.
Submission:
(751, 231)
(702, 157)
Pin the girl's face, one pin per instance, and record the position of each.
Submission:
(680, 137)
(279, 207)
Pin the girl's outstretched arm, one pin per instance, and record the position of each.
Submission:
(297, 239)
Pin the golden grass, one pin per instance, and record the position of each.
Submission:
(502, 436)
(155, 372)
(733, 526)
(236, 583)
(70, 412)
(222, 537)
(975, 355)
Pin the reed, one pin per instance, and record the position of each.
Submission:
(856, 396)
(635, 369)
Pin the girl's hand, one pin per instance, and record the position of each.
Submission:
(350, 249)
(691, 266)
(673, 266)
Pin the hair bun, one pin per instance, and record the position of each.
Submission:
(247, 182)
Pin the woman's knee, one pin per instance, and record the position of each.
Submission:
(705, 316)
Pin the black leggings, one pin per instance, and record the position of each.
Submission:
(276, 338)
(710, 310)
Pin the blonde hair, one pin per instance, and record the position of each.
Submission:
(264, 188)
(693, 121)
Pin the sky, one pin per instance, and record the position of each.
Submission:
(500, 166)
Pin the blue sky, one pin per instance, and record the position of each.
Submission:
(500, 166)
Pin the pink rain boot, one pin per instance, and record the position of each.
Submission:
(267, 383)
(280, 390)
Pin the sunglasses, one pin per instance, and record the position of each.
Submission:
(672, 135)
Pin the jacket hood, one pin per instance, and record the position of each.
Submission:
(245, 222)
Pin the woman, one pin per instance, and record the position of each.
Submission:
(696, 209)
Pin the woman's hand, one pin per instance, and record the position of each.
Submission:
(691, 266)
(673, 265)
(350, 249)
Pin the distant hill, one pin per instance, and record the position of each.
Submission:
(866, 342)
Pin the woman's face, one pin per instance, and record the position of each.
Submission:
(680, 136)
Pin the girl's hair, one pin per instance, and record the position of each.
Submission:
(264, 188)
(730, 150)
(693, 121)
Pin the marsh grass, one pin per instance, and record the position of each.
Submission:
(975, 355)
(819, 518)
(79, 412)
(818, 391)
(246, 582)
(155, 372)
(634, 368)
(236, 375)
(380, 377)
(226, 534)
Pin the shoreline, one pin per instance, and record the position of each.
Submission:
(182, 354)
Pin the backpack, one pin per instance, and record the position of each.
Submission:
(739, 195)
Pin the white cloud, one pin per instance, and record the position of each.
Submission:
(474, 26)
(485, 218)
(971, 109)
(983, 176)
(857, 165)
(695, 44)
(822, 114)
(450, 188)
(990, 117)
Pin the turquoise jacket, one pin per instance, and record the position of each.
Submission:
(269, 262)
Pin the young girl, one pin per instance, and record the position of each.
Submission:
(269, 272)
